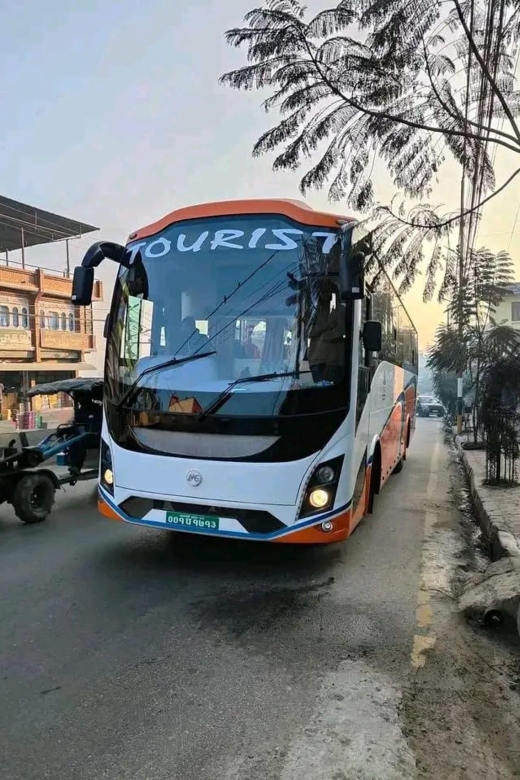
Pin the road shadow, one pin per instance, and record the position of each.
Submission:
(166, 552)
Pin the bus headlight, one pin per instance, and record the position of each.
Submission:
(319, 498)
(106, 470)
(321, 488)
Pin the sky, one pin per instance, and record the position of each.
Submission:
(112, 114)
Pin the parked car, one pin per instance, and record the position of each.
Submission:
(427, 406)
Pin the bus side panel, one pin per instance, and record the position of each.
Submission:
(392, 434)
(392, 402)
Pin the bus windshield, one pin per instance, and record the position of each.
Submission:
(253, 295)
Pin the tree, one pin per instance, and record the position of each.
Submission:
(410, 83)
(445, 388)
(500, 417)
(473, 341)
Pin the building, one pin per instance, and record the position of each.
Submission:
(43, 337)
(508, 310)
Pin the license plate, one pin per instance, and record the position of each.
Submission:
(196, 522)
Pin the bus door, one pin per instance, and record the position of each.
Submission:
(362, 421)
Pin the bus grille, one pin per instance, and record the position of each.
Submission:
(253, 520)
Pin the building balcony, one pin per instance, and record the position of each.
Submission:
(34, 281)
(20, 280)
(60, 287)
(67, 342)
(15, 339)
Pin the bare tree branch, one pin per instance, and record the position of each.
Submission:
(496, 89)
(446, 108)
(400, 119)
(457, 217)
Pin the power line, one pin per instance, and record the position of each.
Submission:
(24, 265)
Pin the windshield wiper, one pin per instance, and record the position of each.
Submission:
(159, 367)
(221, 399)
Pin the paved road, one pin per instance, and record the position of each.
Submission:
(146, 655)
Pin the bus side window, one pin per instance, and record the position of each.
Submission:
(363, 388)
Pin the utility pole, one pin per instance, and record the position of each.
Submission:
(462, 248)
(460, 309)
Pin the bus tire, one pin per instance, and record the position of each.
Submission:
(375, 479)
(398, 466)
(33, 497)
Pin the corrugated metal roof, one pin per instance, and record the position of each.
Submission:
(21, 224)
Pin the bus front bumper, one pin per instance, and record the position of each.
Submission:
(238, 523)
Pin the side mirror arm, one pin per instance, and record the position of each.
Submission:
(95, 255)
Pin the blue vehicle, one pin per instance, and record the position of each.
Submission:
(30, 475)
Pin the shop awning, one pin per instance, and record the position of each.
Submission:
(47, 366)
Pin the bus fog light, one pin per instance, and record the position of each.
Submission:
(319, 498)
(325, 474)
(327, 526)
(108, 477)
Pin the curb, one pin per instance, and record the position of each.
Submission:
(501, 541)
(498, 590)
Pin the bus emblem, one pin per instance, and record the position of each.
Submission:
(194, 478)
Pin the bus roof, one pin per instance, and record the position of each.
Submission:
(293, 209)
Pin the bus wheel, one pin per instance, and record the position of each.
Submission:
(33, 498)
(399, 466)
(375, 480)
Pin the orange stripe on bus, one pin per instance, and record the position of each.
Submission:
(341, 528)
(300, 212)
(107, 511)
(362, 505)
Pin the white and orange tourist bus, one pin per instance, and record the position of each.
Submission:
(257, 386)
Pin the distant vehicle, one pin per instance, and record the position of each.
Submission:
(427, 406)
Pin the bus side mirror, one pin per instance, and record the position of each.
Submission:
(372, 336)
(352, 276)
(82, 286)
(95, 254)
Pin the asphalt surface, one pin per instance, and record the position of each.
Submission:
(128, 653)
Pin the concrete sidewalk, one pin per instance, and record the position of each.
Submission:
(497, 510)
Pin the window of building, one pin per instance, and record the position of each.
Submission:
(515, 311)
(42, 319)
(25, 318)
(5, 317)
(53, 320)
(63, 321)
(71, 322)
(16, 317)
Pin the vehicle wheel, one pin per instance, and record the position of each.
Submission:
(33, 498)
(374, 487)
(399, 467)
